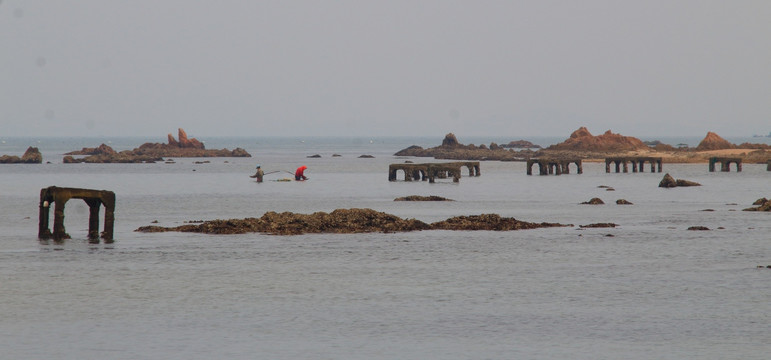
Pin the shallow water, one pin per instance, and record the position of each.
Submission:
(652, 290)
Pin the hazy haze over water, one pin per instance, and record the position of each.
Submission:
(527, 68)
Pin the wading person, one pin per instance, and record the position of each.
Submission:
(259, 174)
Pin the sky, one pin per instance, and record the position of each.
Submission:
(384, 68)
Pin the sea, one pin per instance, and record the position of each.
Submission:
(647, 289)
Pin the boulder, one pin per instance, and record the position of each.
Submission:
(593, 201)
(450, 141)
(623, 202)
(669, 182)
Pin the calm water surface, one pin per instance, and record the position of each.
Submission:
(651, 290)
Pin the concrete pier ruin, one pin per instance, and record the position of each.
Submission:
(94, 198)
(547, 166)
(638, 163)
(431, 171)
(725, 163)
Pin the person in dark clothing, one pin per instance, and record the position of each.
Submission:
(259, 174)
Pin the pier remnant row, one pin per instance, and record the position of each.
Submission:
(94, 199)
(725, 163)
(547, 166)
(430, 171)
(638, 163)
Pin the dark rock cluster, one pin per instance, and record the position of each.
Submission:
(346, 221)
(422, 198)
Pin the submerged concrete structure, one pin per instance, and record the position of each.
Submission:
(638, 163)
(548, 166)
(94, 198)
(725, 163)
(431, 171)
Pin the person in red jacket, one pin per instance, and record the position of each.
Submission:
(298, 175)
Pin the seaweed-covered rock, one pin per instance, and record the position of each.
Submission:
(345, 221)
(599, 225)
(488, 222)
(698, 228)
(623, 202)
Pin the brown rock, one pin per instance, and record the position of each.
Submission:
(487, 222)
(623, 202)
(594, 201)
(763, 205)
(31, 156)
(714, 142)
(698, 228)
(668, 181)
(583, 140)
(450, 141)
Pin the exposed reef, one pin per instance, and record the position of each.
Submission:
(31, 156)
(152, 152)
(422, 198)
(346, 221)
(583, 145)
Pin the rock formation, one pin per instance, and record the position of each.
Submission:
(583, 140)
(763, 204)
(623, 202)
(99, 150)
(452, 149)
(669, 182)
(594, 201)
(31, 156)
(152, 152)
(346, 221)
(599, 225)
(714, 142)
(521, 144)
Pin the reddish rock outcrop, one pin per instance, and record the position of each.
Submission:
(31, 156)
(583, 140)
(714, 142)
